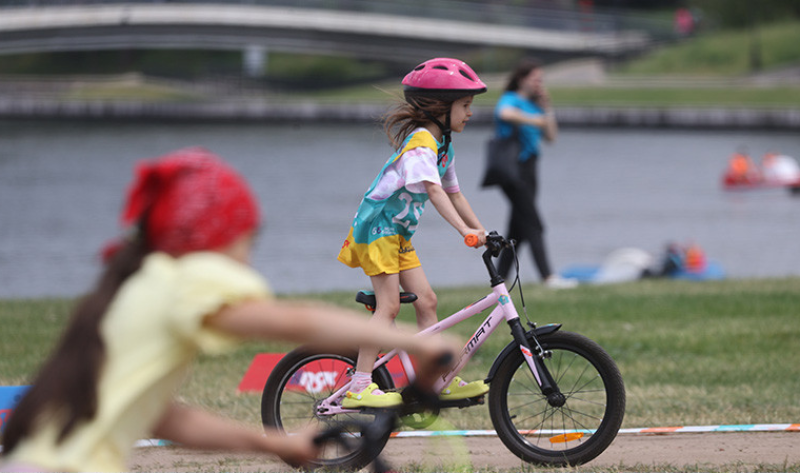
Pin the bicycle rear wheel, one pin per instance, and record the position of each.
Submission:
(569, 434)
(299, 383)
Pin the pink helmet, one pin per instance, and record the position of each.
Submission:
(444, 79)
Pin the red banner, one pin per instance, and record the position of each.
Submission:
(314, 377)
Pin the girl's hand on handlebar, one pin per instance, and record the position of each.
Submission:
(475, 238)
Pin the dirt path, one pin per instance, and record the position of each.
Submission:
(746, 450)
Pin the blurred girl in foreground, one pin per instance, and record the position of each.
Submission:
(178, 285)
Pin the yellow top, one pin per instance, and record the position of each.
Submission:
(152, 332)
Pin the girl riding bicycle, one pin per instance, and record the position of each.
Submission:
(438, 95)
(179, 284)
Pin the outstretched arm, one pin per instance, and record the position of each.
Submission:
(321, 325)
(198, 429)
(457, 213)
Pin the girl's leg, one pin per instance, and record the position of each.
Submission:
(387, 296)
(414, 280)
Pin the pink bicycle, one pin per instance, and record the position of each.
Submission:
(555, 397)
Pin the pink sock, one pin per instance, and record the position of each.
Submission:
(360, 382)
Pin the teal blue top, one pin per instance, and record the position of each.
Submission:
(530, 136)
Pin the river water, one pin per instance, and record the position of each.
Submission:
(61, 188)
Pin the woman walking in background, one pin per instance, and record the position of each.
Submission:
(524, 109)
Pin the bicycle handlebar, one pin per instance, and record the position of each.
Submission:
(495, 244)
(493, 241)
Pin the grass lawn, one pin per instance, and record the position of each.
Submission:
(691, 353)
(724, 53)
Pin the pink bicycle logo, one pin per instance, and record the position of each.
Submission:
(316, 382)
(318, 377)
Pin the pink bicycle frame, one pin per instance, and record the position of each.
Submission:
(504, 310)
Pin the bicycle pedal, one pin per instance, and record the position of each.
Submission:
(462, 403)
(377, 410)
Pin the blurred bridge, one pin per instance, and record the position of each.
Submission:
(400, 30)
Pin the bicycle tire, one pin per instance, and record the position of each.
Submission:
(302, 379)
(574, 433)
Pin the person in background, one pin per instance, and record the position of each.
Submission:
(742, 169)
(694, 258)
(438, 96)
(177, 285)
(525, 108)
(684, 22)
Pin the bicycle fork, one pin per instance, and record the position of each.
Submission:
(534, 360)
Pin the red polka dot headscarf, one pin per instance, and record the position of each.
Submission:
(190, 200)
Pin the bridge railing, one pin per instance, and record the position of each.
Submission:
(535, 15)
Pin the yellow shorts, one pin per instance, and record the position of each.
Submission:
(389, 255)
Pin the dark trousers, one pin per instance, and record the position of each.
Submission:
(525, 225)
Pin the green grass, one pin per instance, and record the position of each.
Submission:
(131, 92)
(690, 353)
(726, 53)
(722, 352)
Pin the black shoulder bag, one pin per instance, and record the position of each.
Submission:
(502, 156)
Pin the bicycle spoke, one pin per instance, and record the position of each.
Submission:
(567, 412)
(588, 401)
(587, 383)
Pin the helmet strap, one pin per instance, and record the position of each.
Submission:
(445, 133)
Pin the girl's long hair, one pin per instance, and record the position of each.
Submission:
(405, 117)
(522, 70)
(66, 386)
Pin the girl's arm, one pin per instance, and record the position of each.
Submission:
(466, 224)
(463, 208)
(324, 326)
(201, 430)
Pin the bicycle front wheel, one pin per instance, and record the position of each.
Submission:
(577, 430)
(297, 386)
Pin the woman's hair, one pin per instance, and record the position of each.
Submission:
(66, 386)
(406, 116)
(525, 67)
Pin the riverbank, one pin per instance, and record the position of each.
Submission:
(270, 110)
(585, 96)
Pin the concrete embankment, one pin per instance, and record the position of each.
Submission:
(261, 110)
(67, 98)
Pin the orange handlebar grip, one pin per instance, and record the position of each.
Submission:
(471, 240)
